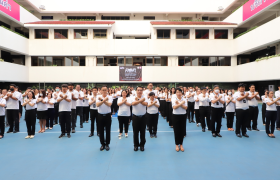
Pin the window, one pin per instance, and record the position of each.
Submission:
(100, 33)
(204, 61)
(68, 61)
(149, 18)
(128, 61)
(213, 61)
(157, 61)
(163, 34)
(184, 61)
(75, 61)
(195, 61)
(61, 34)
(81, 17)
(26, 33)
(100, 61)
(47, 17)
(114, 17)
(41, 34)
(80, 33)
(221, 34)
(4, 24)
(224, 61)
(82, 61)
(205, 18)
(48, 61)
(41, 61)
(120, 61)
(149, 61)
(202, 34)
(182, 33)
(186, 18)
(34, 61)
(58, 61)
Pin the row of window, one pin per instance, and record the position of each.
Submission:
(63, 33)
(131, 61)
(185, 34)
(102, 17)
(57, 61)
(204, 61)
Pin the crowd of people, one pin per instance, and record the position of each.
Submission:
(140, 106)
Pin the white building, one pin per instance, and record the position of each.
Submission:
(86, 41)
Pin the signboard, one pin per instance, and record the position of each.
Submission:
(10, 8)
(130, 73)
(254, 6)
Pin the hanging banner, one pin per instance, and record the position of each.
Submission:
(130, 73)
(254, 6)
(10, 8)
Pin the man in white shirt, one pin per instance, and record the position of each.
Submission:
(64, 99)
(104, 103)
(139, 104)
(93, 112)
(277, 95)
(253, 99)
(75, 96)
(242, 110)
(79, 105)
(56, 104)
(217, 104)
(133, 92)
(12, 100)
(204, 110)
(150, 89)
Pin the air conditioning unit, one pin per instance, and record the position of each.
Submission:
(42, 7)
(271, 88)
(220, 8)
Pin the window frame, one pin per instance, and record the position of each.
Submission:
(202, 30)
(163, 33)
(182, 30)
(80, 31)
(60, 30)
(41, 36)
(220, 30)
(100, 38)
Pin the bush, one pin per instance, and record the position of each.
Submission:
(269, 57)
(246, 32)
(13, 31)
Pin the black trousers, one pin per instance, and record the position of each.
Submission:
(253, 115)
(123, 121)
(190, 110)
(50, 117)
(114, 107)
(217, 114)
(270, 119)
(80, 112)
(278, 117)
(204, 111)
(12, 115)
(197, 115)
(139, 126)
(241, 120)
(93, 118)
(65, 121)
(105, 121)
(2, 125)
(30, 119)
(169, 116)
(153, 122)
(86, 113)
(73, 118)
(163, 108)
(263, 112)
(56, 112)
(178, 126)
(230, 117)
(20, 108)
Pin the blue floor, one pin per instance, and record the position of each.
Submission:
(48, 157)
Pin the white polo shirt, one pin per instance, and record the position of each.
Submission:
(243, 104)
(152, 109)
(271, 107)
(277, 95)
(64, 105)
(263, 98)
(196, 103)
(51, 101)
(41, 106)
(147, 92)
(190, 99)
(76, 95)
(2, 109)
(139, 109)
(254, 101)
(165, 96)
(13, 104)
(104, 109)
(179, 110)
(85, 103)
(230, 107)
(79, 103)
(217, 104)
(28, 107)
(124, 110)
(93, 106)
(203, 101)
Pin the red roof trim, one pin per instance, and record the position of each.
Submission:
(189, 23)
(72, 22)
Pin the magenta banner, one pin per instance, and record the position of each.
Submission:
(254, 6)
(10, 8)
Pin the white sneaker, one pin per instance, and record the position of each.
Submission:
(120, 135)
(27, 137)
(50, 128)
(126, 135)
(47, 128)
(31, 137)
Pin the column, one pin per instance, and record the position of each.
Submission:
(230, 33)
(51, 33)
(90, 33)
(192, 33)
(91, 61)
(277, 49)
(173, 33)
(31, 33)
(233, 60)
(70, 33)
(172, 60)
(28, 61)
(211, 33)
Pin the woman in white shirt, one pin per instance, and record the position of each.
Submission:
(114, 106)
(164, 104)
(271, 113)
(42, 109)
(124, 103)
(196, 108)
(87, 93)
(230, 110)
(263, 97)
(2, 116)
(152, 114)
(179, 105)
(30, 114)
(169, 106)
(50, 112)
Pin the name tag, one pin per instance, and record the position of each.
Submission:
(94, 105)
(244, 101)
(217, 103)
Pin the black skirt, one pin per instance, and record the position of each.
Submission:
(163, 108)
(41, 114)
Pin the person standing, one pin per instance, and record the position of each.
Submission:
(196, 108)
(190, 96)
(179, 105)
(42, 109)
(152, 114)
(75, 95)
(230, 109)
(64, 99)
(79, 105)
(87, 93)
(93, 112)
(277, 95)
(104, 103)
(30, 114)
(50, 112)
(2, 116)
(264, 105)
(253, 99)
(124, 104)
(139, 104)
(56, 104)
(204, 109)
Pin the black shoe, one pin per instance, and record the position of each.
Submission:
(90, 135)
(61, 135)
(278, 129)
(81, 126)
(249, 129)
(203, 130)
(135, 148)
(192, 121)
(102, 148)
(238, 135)
(189, 121)
(107, 148)
(219, 135)
(151, 136)
(245, 135)
(9, 131)
(68, 135)
(15, 131)
(155, 136)
(270, 136)
(256, 129)
(214, 135)
(142, 148)
(73, 131)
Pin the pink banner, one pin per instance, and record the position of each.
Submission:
(254, 6)
(10, 8)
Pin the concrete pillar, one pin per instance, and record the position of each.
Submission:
(211, 33)
(173, 33)
(172, 60)
(94, 60)
(91, 61)
(233, 60)
(230, 33)
(28, 61)
(70, 33)
(277, 49)
(192, 33)
(31, 33)
(90, 33)
(51, 33)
